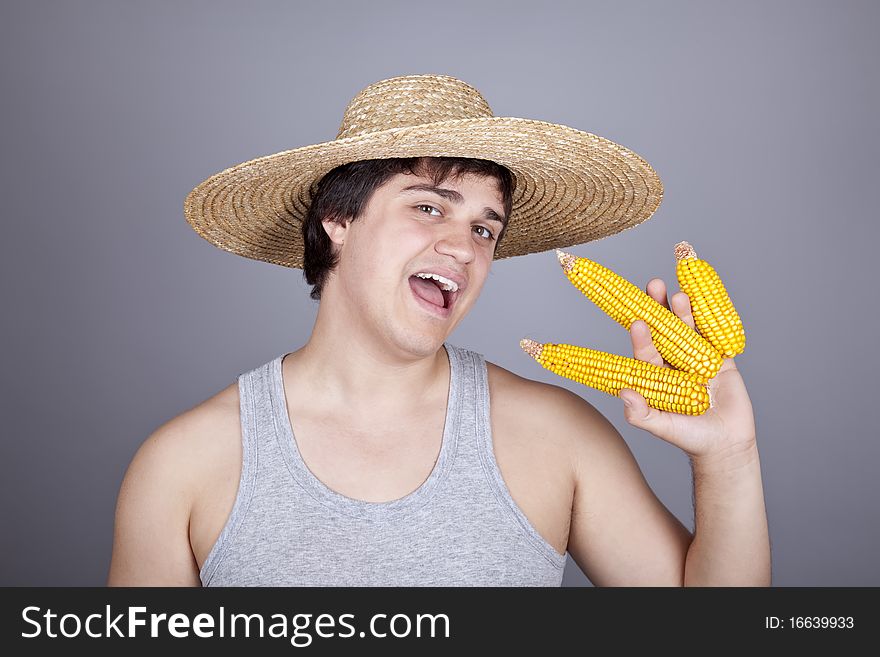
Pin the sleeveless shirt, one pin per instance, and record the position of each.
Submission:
(460, 527)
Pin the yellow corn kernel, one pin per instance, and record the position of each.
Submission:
(714, 315)
(678, 343)
(664, 388)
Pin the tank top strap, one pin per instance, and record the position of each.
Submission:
(480, 453)
(252, 391)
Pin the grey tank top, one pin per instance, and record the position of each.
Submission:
(460, 527)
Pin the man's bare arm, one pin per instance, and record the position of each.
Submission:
(151, 537)
(731, 546)
(621, 533)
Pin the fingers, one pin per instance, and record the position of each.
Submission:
(656, 289)
(681, 305)
(640, 332)
(643, 345)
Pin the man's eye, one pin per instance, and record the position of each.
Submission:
(430, 207)
(489, 234)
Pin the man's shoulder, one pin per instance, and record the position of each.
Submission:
(207, 416)
(531, 395)
(195, 441)
(550, 410)
(166, 478)
(540, 405)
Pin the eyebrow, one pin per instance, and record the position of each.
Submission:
(454, 197)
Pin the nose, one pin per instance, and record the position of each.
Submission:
(458, 243)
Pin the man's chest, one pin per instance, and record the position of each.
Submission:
(387, 462)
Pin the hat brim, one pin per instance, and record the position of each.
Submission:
(572, 187)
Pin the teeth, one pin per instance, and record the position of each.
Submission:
(448, 285)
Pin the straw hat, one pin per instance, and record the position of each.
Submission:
(572, 187)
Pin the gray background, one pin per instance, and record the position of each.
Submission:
(760, 118)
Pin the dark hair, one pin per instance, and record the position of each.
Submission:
(344, 192)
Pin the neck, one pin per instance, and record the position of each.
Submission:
(360, 373)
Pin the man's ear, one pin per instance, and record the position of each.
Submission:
(336, 230)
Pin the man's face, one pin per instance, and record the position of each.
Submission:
(408, 228)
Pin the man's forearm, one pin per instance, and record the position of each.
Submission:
(731, 545)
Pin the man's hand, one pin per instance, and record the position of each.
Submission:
(727, 429)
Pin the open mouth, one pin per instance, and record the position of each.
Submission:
(432, 292)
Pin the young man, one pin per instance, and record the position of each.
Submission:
(380, 454)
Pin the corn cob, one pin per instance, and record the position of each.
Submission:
(714, 315)
(664, 388)
(678, 343)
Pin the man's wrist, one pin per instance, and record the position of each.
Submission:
(726, 461)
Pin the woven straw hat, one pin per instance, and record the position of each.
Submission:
(572, 187)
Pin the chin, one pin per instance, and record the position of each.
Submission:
(421, 343)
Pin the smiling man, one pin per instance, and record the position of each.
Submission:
(379, 453)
